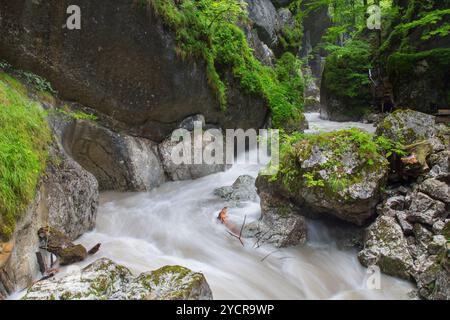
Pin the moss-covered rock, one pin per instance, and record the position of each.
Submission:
(408, 126)
(280, 224)
(421, 79)
(386, 247)
(338, 173)
(168, 283)
(104, 279)
(24, 141)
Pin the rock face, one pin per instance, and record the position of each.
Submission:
(105, 279)
(264, 16)
(243, 189)
(67, 199)
(118, 161)
(327, 174)
(149, 90)
(410, 237)
(280, 223)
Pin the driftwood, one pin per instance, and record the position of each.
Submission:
(232, 228)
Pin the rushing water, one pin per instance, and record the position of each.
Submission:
(176, 224)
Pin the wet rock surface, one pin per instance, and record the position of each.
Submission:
(119, 162)
(104, 279)
(410, 237)
(280, 224)
(242, 190)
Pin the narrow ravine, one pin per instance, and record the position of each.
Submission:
(176, 225)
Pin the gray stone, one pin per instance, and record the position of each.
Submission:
(106, 280)
(433, 280)
(264, 16)
(425, 210)
(440, 165)
(186, 171)
(408, 126)
(403, 222)
(118, 161)
(386, 247)
(243, 189)
(280, 224)
(438, 244)
(436, 189)
(191, 121)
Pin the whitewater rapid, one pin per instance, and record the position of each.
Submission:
(176, 225)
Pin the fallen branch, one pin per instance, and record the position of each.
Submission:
(232, 230)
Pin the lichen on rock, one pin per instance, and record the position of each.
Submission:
(338, 173)
(106, 280)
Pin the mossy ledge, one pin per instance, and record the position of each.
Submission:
(24, 140)
(200, 32)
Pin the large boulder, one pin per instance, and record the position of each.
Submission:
(178, 157)
(118, 161)
(408, 126)
(123, 63)
(106, 280)
(386, 247)
(280, 224)
(264, 16)
(331, 174)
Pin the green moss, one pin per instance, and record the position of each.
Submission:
(291, 37)
(74, 114)
(24, 138)
(446, 231)
(371, 155)
(201, 30)
(406, 63)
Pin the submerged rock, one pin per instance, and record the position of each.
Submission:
(243, 189)
(60, 245)
(106, 280)
(386, 247)
(280, 224)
